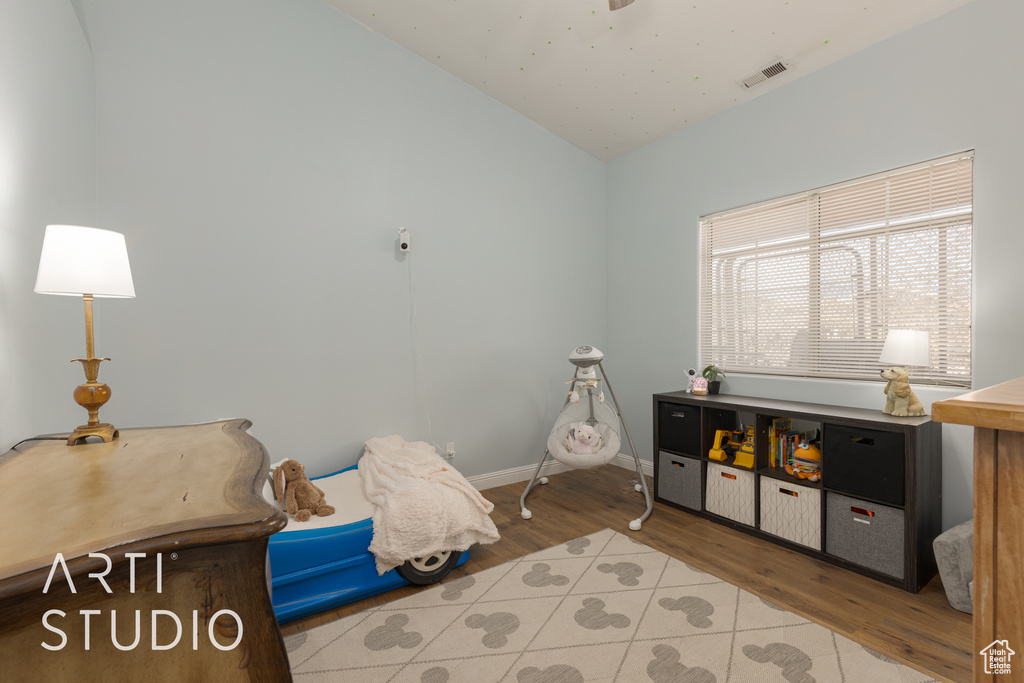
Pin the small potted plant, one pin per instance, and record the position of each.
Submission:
(714, 375)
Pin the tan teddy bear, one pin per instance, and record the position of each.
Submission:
(301, 498)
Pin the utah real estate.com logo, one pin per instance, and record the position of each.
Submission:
(997, 657)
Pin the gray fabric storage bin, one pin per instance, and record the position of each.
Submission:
(679, 480)
(868, 534)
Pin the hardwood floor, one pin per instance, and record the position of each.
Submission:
(921, 630)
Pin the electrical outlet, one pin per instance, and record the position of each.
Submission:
(449, 450)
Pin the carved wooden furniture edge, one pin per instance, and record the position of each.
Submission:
(246, 493)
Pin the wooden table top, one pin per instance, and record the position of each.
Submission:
(996, 407)
(150, 490)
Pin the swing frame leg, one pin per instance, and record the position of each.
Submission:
(636, 523)
(523, 512)
(534, 481)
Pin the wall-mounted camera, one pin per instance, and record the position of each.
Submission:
(403, 239)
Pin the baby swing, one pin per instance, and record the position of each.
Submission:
(586, 433)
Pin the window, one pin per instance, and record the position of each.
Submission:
(809, 285)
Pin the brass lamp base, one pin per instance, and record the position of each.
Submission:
(104, 430)
(91, 396)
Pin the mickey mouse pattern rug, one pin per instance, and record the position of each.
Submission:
(598, 608)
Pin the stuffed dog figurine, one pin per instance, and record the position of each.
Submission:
(900, 399)
(301, 498)
(584, 439)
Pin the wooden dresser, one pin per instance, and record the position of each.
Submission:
(179, 513)
(997, 415)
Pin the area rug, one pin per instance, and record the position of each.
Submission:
(599, 608)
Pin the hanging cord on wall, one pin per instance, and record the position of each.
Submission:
(417, 361)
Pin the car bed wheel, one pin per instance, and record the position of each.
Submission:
(424, 571)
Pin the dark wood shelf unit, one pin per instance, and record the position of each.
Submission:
(886, 477)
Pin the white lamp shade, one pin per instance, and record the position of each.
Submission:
(906, 347)
(78, 260)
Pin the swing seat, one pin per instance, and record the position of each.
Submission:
(605, 421)
(560, 444)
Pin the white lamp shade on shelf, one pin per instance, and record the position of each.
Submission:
(906, 347)
(77, 260)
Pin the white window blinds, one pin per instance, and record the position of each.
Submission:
(809, 285)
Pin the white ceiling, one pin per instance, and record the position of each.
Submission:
(610, 82)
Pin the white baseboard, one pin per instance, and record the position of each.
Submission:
(626, 462)
(518, 474)
(515, 475)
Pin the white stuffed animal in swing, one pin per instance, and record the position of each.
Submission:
(584, 439)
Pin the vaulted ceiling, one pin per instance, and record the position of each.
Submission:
(612, 81)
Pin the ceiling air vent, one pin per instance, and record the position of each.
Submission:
(758, 77)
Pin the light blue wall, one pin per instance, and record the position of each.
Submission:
(47, 175)
(941, 88)
(259, 156)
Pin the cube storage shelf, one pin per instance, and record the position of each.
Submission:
(876, 510)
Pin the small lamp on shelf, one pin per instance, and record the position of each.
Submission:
(86, 262)
(906, 348)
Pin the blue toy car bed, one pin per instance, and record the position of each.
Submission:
(325, 562)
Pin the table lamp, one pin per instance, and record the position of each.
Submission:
(906, 347)
(86, 262)
(903, 347)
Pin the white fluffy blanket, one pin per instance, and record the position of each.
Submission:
(421, 504)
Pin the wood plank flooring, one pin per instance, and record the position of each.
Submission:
(920, 630)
